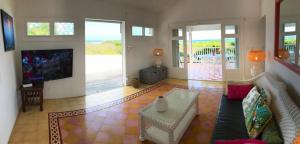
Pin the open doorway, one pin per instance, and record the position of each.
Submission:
(103, 55)
(204, 52)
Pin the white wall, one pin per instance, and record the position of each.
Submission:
(138, 51)
(8, 86)
(272, 66)
(206, 11)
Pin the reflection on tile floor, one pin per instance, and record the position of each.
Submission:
(32, 126)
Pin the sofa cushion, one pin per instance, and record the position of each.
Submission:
(249, 101)
(265, 94)
(230, 123)
(272, 134)
(259, 119)
(238, 91)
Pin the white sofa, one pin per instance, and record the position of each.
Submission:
(285, 111)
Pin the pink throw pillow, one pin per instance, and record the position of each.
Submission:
(240, 141)
(238, 91)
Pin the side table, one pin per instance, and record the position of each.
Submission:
(32, 96)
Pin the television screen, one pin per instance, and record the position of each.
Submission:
(46, 65)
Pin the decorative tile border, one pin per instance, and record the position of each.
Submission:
(53, 117)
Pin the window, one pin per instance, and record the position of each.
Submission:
(177, 33)
(230, 29)
(137, 31)
(290, 27)
(231, 38)
(231, 53)
(178, 53)
(178, 45)
(63, 28)
(148, 31)
(289, 42)
(38, 29)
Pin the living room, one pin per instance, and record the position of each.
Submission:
(251, 28)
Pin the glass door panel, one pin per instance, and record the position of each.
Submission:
(231, 53)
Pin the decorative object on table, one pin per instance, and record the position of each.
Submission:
(8, 31)
(158, 53)
(256, 56)
(135, 83)
(152, 75)
(161, 104)
(33, 95)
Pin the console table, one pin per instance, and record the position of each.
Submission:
(152, 75)
(32, 96)
(168, 127)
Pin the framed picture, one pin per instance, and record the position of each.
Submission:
(8, 31)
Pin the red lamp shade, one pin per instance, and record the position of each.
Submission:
(158, 52)
(256, 55)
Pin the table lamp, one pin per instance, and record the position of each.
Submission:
(283, 54)
(256, 56)
(158, 53)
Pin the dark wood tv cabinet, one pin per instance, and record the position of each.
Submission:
(32, 96)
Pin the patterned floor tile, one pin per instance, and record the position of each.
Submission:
(117, 122)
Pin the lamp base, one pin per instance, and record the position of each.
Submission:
(253, 71)
(158, 63)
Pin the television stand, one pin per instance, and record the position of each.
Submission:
(32, 96)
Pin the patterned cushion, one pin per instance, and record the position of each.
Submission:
(272, 134)
(265, 95)
(261, 115)
(249, 101)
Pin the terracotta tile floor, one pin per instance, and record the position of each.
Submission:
(32, 126)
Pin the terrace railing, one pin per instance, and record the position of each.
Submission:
(290, 48)
(206, 54)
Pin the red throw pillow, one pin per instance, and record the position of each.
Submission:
(241, 141)
(238, 91)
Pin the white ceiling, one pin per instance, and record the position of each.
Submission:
(149, 5)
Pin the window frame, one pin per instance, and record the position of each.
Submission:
(178, 38)
(283, 34)
(238, 43)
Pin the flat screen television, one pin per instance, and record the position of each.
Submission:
(46, 65)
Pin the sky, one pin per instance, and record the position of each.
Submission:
(206, 35)
(102, 31)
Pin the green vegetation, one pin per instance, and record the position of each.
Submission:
(104, 48)
(38, 29)
(290, 40)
